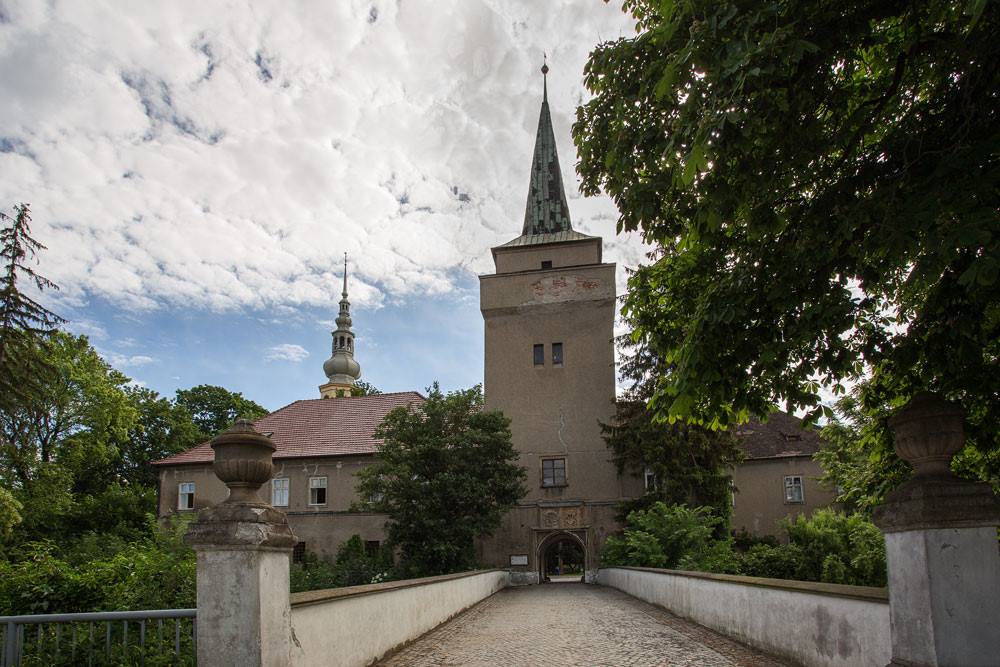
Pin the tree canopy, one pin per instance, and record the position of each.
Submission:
(445, 474)
(214, 409)
(690, 464)
(819, 181)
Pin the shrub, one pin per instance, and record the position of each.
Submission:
(661, 536)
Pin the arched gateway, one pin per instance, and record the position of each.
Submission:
(561, 553)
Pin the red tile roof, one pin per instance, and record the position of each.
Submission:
(317, 427)
(781, 435)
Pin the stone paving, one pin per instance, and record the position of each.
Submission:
(573, 624)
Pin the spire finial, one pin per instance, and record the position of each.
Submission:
(545, 78)
(345, 275)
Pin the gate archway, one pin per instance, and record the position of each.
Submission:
(561, 553)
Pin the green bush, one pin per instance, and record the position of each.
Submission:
(154, 573)
(829, 546)
(352, 566)
(661, 536)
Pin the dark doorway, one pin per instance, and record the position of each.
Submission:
(563, 560)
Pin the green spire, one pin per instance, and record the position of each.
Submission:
(546, 211)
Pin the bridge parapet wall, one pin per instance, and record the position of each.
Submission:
(360, 624)
(814, 624)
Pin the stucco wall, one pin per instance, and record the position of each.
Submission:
(817, 625)
(355, 626)
(322, 527)
(760, 493)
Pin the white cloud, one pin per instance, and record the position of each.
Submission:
(217, 157)
(122, 361)
(287, 352)
(89, 328)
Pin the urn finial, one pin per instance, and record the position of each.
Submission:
(242, 460)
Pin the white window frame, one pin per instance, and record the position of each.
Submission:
(279, 491)
(793, 482)
(185, 496)
(316, 483)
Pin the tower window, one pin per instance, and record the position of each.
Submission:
(539, 354)
(341, 341)
(547, 264)
(557, 357)
(553, 472)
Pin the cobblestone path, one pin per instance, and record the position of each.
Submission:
(558, 625)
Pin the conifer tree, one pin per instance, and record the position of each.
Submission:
(24, 323)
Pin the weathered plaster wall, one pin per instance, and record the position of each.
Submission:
(322, 527)
(358, 625)
(760, 493)
(817, 625)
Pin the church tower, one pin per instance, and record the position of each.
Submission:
(549, 366)
(342, 371)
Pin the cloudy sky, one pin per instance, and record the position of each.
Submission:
(198, 169)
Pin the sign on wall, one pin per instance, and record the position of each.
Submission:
(519, 559)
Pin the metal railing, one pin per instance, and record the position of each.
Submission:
(70, 639)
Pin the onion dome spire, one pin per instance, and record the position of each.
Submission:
(546, 211)
(341, 369)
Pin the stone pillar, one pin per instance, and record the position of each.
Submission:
(244, 547)
(941, 547)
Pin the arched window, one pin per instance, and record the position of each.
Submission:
(341, 341)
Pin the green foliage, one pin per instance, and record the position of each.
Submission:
(445, 474)
(820, 184)
(838, 548)
(153, 573)
(661, 536)
(162, 428)
(691, 464)
(24, 323)
(858, 457)
(830, 546)
(363, 388)
(214, 409)
(351, 567)
(10, 512)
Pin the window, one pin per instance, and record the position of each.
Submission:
(557, 354)
(299, 552)
(279, 492)
(649, 479)
(539, 352)
(371, 548)
(793, 489)
(317, 490)
(553, 472)
(185, 496)
(547, 264)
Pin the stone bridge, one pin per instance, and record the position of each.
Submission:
(940, 610)
(570, 624)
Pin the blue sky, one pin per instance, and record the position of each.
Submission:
(197, 171)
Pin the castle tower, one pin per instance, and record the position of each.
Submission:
(342, 371)
(549, 365)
